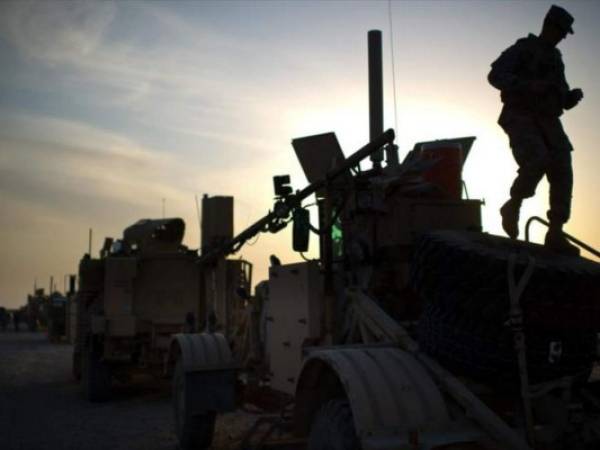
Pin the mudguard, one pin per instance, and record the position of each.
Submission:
(210, 370)
(394, 401)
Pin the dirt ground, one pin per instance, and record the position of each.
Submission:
(41, 406)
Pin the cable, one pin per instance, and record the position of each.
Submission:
(393, 64)
(307, 259)
(255, 240)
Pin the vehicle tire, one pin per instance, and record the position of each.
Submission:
(194, 431)
(95, 376)
(467, 271)
(333, 428)
(485, 351)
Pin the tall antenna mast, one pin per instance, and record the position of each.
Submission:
(393, 64)
(376, 102)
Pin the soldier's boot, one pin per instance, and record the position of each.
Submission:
(510, 217)
(557, 242)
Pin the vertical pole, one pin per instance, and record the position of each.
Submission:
(205, 230)
(72, 281)
(90, 243)
(375, 92)
(51, 283)
(199, 224)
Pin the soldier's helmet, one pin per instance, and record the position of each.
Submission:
(561, 17)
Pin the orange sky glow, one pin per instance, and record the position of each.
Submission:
(108, 108)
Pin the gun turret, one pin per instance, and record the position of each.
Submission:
(279, 217)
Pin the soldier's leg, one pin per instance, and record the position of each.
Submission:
(560, 172)
(531, 154)
(560, 178)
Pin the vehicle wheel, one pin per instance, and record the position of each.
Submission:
(96, 376)
(333, 428)
(467, 271)
(485, 351)
(76, 367)
(194, 431)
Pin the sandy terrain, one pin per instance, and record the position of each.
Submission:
(41, 407)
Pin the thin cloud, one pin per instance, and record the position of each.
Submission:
(71, 160)
(56, 31)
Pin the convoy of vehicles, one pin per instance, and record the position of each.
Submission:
(412, 329)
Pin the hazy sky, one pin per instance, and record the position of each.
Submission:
(107, 108)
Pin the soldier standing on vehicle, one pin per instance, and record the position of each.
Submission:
(531, 77)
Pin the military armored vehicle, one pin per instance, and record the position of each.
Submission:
(57, 316)
(413, 329)
(36, 310)
(144, 288)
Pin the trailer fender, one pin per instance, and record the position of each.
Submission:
(393, 399)
(209, 369)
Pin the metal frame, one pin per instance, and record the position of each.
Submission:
(573, 239)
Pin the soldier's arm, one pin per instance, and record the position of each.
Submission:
(505, 74)
(571, 97)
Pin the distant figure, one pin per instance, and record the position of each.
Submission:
(531, 77)
(16, 319)
(4, 317)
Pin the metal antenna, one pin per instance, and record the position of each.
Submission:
(391, 151)
(199, 222)
(393, 64)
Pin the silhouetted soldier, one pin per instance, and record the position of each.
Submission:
(531, 77)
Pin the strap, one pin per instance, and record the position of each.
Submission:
(516, 289)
